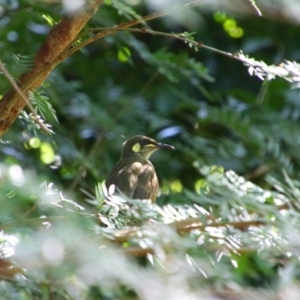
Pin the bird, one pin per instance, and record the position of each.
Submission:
(134, 175)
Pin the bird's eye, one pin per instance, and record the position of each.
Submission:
(136, 147)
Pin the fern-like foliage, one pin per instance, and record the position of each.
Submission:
(42, 105)
(287, 70)
(17, 64)
(224, 233)
(32, 124)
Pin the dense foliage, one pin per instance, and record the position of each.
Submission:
(219, 84)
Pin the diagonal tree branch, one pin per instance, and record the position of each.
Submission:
(17, 89)
(46, 59)
(56, 48)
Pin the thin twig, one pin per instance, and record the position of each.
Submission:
(252, 2)
(178, 36)
(22, 95)
(137, 251)
(124, 25)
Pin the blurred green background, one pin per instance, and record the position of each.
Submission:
(205, 104)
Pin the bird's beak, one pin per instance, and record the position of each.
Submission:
(164, 146)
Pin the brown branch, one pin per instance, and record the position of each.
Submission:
(8, 269)
(259, 172)
(137, 251)
(22, 95)
(242, 225)
(46, 59)
(184, 226)
(130, 24)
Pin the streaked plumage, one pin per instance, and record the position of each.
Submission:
(134, 175)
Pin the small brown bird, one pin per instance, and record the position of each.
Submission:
(134, 174)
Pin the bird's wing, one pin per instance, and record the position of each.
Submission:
(136, 180)
(147, 186)
(125, 176)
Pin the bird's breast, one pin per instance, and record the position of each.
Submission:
(135, 179)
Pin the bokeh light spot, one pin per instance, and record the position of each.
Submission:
(34, 143)
(47, 153)
(16, 175)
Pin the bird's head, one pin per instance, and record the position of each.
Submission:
(142, 145)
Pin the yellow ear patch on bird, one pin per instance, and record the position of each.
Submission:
(136, 147)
